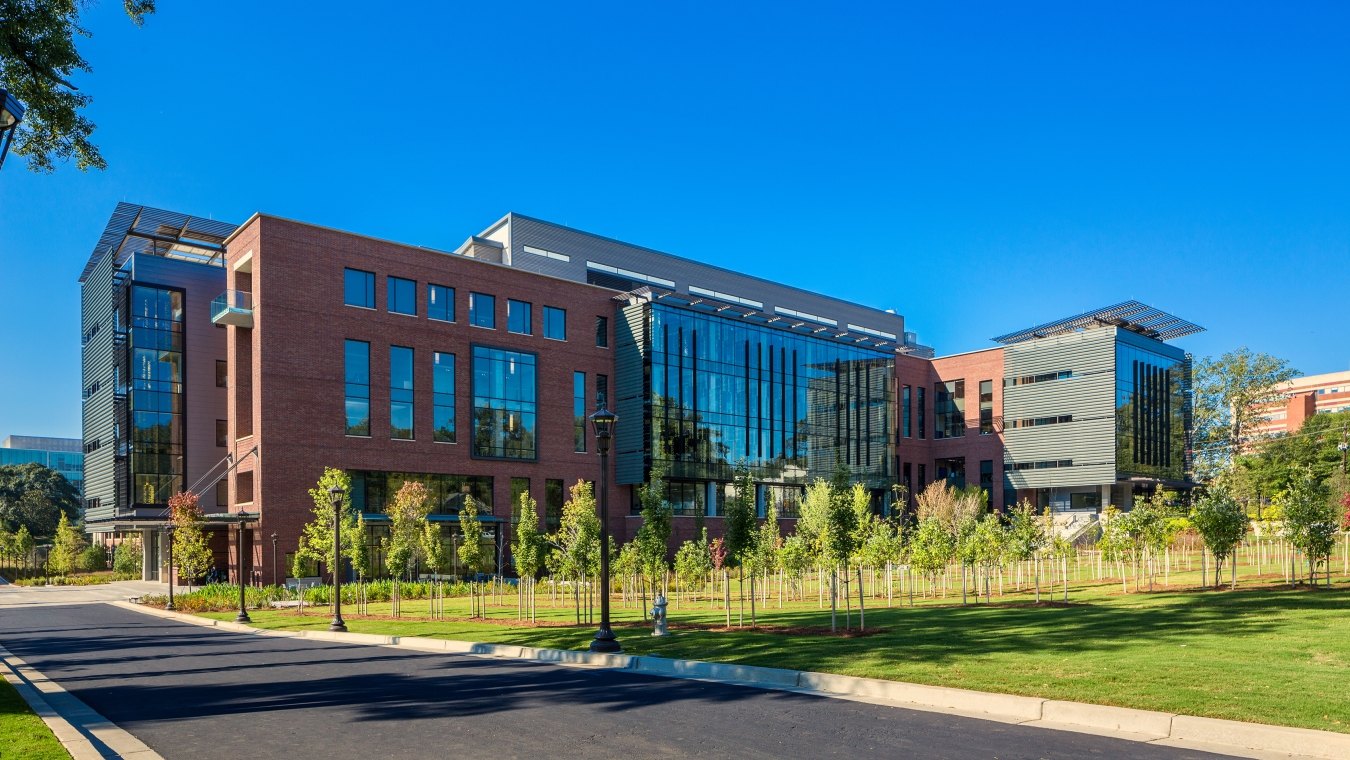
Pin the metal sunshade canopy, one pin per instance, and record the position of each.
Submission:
(1130, 315)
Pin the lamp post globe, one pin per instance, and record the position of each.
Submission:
(11, 113)
(602, 423)
(337, 624)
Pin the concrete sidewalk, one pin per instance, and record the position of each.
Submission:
(117, 591)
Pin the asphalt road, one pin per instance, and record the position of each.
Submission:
(200, 694)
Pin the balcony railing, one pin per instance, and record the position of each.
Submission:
(233, 307)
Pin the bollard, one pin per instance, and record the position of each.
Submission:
(659, 616)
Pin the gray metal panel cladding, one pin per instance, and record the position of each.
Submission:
(96, 359)
(1089, 396)
(630, 444)
(582, 246)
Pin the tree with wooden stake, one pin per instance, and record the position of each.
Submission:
(316, 538)
(1026, 538)
(739, 527)
(653, 536)
(693, 562)
(1222, 523)
(471, 553)
(577, 541)
(1309, 520)
(407, 512)
(717, 552)
(527, 550)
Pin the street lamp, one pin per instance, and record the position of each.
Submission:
(169, 532)
(274, 560)
(11, 113)
(242, 617)
(335, 494)
(602, 421)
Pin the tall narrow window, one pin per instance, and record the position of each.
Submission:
(602, 390)
(602, 332)
(923, 418)
(358, 288)
(578, 411)
(400, 392)
(553, 504)
(518, 314)
(443, 397)
(441, 303)
(358, 387)
(986, 407)
(482, 310)
(222, 373)
(949, 407)
(402, 296)
(222, 433)
(555, 323)
(504, 410)
(905, 413)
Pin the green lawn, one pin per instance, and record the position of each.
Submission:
(23, 734)
(1263, 653)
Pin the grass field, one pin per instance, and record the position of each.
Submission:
(23, 734)
(1263, 653)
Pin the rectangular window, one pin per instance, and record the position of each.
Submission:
(222, 433)
(402, 296)
(400, 392)
(441, 303)
(906, 423)
(222, 493)
(504, 391)
(986, 407)
(443, 396)
(602, 332)
(358, 387)
(518, 314)
(987, 480)
(222, 373)
(483, 310)
(602, 389)
(555, 323)
(553, 505)
(949, 409)
(923, 420)
(359, 288)
(579, 411)
(922, 482)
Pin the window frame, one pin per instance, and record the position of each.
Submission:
(474, 310)
(369, 288)
(449, 293)
(559, 310)
(511, 305)
(390, 302)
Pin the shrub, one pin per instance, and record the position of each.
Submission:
(93, 558)
(127, 560)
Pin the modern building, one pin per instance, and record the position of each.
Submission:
(1304, 397)
(473, 372)
(61, 454)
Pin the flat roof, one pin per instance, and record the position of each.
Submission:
(1129, 315)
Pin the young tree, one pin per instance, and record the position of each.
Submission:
(66, 548)
(931, 548)
(762, 558)
(38, 59)
(1026, 537)
(471, 552)
(191, 552)
(407, 512)
(316, 538)
(717, 553)
(653, 536)
(1222, 523)
(127, 558)
(1229, 392)
(1310, 519)
(693, 562)
(527, 546)
(739, 527)
(578, 539)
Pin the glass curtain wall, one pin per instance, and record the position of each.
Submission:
(1151, 413)
(156, 325)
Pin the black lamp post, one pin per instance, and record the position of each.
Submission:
(274, 560)
(602, 421)
(242, 617)
(11, 113)
(335, 494)
(169, 531)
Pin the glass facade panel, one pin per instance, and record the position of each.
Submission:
(441, 303)
(789, 405)
(986, 407)
(358, 387)
(483, 310)
(443, 396)
(371, 490)
(555, 323)
(400, 392)
(358, 288)
(402, 296)
(952, 470)
(504, 392)
(922, 403)
(579, 411)
(1152, 413)
(949, 409)
(518, 316)
(156, 398)
(906, 421)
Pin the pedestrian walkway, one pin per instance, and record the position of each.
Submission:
(37, 596)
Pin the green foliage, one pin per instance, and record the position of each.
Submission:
(1026, 533)
(1229, 392)
(932, 546)
(527, 545)
(739, 523)
(38, 58)
(34, 497)
(986, 543)
(840, 540)
(191, 552)
(93, 559)
(653, 535)
(1221, 522)
(66, 548)
(1310, 519)
(316, 538)
(693, 562)
(1274, 464)
(883, 544)
(577, 542)
(471, 553)
(127, 559)
(763, 555)
(408, 526)
(813, 520)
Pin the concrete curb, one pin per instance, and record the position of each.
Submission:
(74, 724)
(1212, 734)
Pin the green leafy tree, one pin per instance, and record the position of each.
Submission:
(66, 548)
(931, 548)
(38, 58)
(1026, 537)
(1229, 393)
(653, 536)
(1310, 519)
(472, 555)
(1222, 523)
(527, 546)
(693, 561)
(577, 541)
(408, 512)
(35, 496)
(985, 546)
(316, 538)
(191, 551)
(93, 558)
(739, 522)
(127, 559)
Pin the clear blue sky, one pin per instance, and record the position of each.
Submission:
(977, 167)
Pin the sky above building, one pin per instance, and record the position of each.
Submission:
(978, 167)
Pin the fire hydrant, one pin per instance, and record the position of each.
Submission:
(659, 616)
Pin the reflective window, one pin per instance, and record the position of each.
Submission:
(906, 422)
(443, 397)
(441, 303)
(504, 389)
(986, 407)
(602, 332)
(949, 409)
(987, 480)
(923, 415)
(518, 315)
(578, 411)
(155, 321)
(359, 288)
(372, 490)
(400, 392)
(1151, 413)
(555, 323)
(358, 387)
(482, 310)
(553, 504)
(402, 296)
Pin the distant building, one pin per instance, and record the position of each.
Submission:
(1306, 396)
(61, 454)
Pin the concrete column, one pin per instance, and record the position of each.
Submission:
(1106, 496)
(147, 568)
(710, 498)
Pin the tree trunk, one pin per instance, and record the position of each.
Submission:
(754, 621)
(862, 607)
(726, 592)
